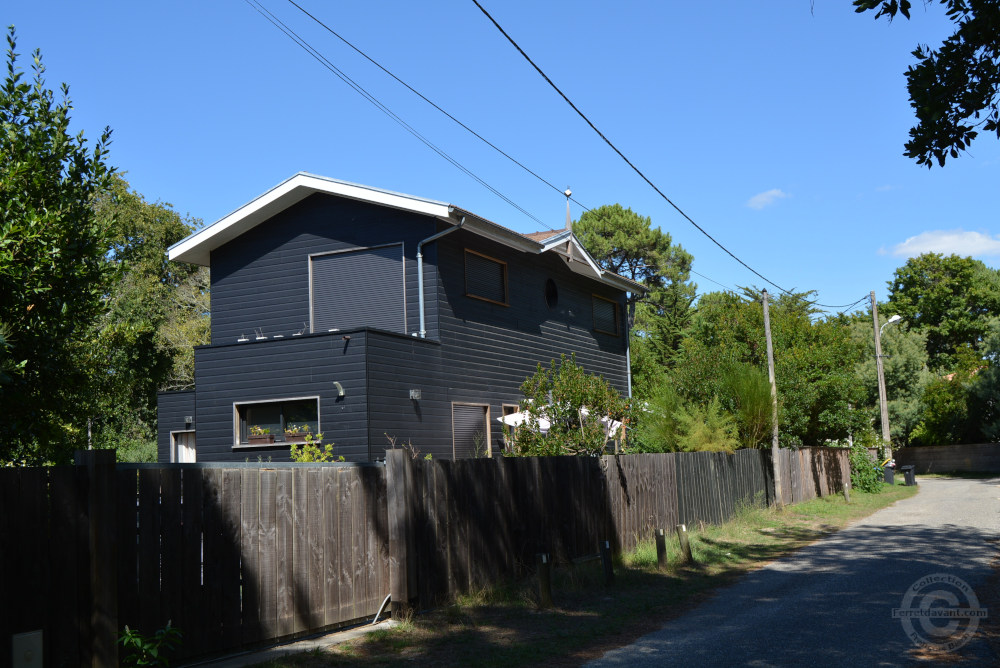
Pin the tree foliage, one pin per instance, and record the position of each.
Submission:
(54, 270)
(624, 242)
(573, 402)
(950, 299)
(954, 88)
(814, 364)
(135, 352)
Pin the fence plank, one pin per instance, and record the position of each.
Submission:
(149, 550)
(250, 520)
(284, 557)
(267, 545)
(331, 571)
(193, 621)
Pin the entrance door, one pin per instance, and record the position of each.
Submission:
(182, 447)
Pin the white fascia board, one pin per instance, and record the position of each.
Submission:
(556, 240)
(197, 247)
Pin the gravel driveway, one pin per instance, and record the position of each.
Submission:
(831, 603)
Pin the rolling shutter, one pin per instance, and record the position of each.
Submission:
(605, 316)
(470, 430)
(361, 288)
(485, 278)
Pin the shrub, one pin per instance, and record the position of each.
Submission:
(866, 475)
(707, 428)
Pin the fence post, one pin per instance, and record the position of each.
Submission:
(103, 540)
(682, 537)
(544, 580)
(609, 568)
(401, 545)
(661, 549)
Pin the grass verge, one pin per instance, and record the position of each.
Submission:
(502, 625)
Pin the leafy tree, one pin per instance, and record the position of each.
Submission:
(133, 352)
(626, 243)
(814, 364)
(955, 88)
(573, 402)
(986, 386)
(655, 424)
(906, 374)
(950, 299)
(54, 270)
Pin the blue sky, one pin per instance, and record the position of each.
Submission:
(777, 126)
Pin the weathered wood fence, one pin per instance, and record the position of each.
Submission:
(979, 457)
(239, 555)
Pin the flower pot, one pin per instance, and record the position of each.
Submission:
(295, 436)
(260, 439)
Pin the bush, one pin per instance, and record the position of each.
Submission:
(866, 474)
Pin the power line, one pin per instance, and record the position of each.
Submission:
(425, 99)
(622, 155)
(308, 48)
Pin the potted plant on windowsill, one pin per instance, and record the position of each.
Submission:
(295, 432)
(260, 435)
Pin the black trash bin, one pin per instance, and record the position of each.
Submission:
(909, 474)
(887, 474)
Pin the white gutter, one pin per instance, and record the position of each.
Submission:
(420, 271)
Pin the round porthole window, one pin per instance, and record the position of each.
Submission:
(551, 293)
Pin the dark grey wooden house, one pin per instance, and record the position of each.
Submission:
(368, 315)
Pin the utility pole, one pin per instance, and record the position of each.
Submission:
(883, 406)
(774, 405)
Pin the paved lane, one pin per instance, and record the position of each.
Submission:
(831, 603)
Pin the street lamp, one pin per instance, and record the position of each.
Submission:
(882, 401)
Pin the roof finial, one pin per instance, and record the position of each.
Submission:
(569, 221)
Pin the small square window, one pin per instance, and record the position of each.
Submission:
(605, 315)
(485, 278)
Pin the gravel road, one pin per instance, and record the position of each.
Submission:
(831, 603)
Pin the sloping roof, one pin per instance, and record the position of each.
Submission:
(197, 247)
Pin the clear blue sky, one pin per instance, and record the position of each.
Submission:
(777, 126)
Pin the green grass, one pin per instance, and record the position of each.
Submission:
(503, 626)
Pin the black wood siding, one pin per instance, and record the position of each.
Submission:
(489, 349)
(171, 409)
(261, 279)
(281, 369)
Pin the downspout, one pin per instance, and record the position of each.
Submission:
(628, 348)
(420, 271)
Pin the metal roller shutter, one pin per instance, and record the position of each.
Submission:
(361, 288)
(466, 422)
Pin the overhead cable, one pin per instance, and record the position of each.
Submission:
(430, 102)
(308, 48)
(622, 155)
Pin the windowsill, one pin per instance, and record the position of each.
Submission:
(276, 444)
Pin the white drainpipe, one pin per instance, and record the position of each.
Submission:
(420, 271)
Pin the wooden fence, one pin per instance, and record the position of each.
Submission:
(240, 555)
(971, 458)
(471, 522)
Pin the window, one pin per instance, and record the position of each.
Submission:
(605, 315)
(551, 294)
(470, 428)
(267, 422)
(485, 278)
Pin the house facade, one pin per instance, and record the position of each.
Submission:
(372, 317)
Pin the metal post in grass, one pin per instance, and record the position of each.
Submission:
(682, 537)
(661, 548)
(544, 581)
(609, 569)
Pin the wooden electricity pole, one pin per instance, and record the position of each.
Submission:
(882, 403)
(775, 460)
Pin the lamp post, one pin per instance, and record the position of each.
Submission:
(883, 405)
